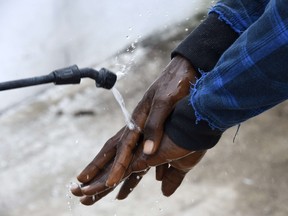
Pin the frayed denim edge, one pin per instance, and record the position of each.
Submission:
(198, 116)
(224, 19)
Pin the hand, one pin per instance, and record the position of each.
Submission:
(172, 164)
(180, 161)
(88, 193)
(149, 115)
(171, 174)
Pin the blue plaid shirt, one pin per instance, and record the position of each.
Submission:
(251, 76)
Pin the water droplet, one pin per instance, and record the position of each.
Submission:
(104, 155)
(68, 196)
(138, 177)
(87, 177)
(127, 36)
(186, 29)
(133, 46)
(130, 189)
(130, 29)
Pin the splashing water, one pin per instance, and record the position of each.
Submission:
(69, 197)
(120, 74)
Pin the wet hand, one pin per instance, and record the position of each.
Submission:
(95, 190)
(151, 113)
(172, 163)
(149, 116)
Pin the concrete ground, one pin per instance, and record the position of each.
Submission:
(49, 139)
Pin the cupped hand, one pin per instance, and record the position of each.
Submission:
(172, 164)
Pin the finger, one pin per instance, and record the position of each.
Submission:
(175, 174)
(90, 200)
(155, 123)
(122, 160)
(106, 154)
(98, 184)
(129, 184)
(95, 167)
(173, 86)
(172, 180)
(128, 142)
(160, 171)
(95, 188)
(76, 190)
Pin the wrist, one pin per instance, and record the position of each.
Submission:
(186, 65)
(184, 130)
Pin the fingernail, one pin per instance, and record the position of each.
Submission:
(110, 184)
(148, 147)
(74, 186)
(85, 188)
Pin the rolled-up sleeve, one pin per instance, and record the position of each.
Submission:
(251, 76)
(240, 14)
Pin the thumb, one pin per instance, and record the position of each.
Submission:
(154, 127)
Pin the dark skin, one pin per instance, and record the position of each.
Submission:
(130, 153)
(172, 164)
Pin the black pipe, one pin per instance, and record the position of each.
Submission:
(69, 75)
(26, 82)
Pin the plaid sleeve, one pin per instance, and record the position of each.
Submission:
(251, 76)
(240, 14)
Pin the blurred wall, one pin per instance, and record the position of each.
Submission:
(40, 36)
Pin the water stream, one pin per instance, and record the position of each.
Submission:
(127, 116)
